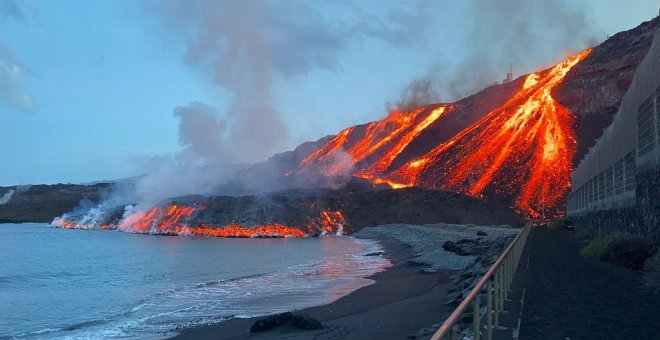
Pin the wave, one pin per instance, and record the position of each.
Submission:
(302, 285)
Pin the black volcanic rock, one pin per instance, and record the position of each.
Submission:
(361, 203)
(271, 322)
(313, 211)
(456, 248)
(300, 321)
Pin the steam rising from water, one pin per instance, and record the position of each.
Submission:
(240, 47)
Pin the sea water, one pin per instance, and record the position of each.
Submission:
(79, 284)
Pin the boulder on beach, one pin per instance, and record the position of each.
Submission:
(300, 321)
(271, 322)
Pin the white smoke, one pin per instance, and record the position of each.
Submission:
(12, 71)
(23, 188)
(4, 199)
(200, 133)
(240, 47)
(529, 34)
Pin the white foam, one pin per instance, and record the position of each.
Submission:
(311, 283)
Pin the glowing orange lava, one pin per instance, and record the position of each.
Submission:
(382, 140)
(518, 153)
(63, 223)
(176, 220)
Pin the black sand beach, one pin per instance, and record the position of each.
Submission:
(407, 300)
(401, 302)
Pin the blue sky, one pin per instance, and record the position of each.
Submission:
(105, 76)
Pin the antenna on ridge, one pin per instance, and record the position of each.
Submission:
(509, 76)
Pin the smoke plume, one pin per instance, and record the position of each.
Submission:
(241, 47)
(4, 199)
(12, 72)
(419, 92)
(529, 34)
(200, 132)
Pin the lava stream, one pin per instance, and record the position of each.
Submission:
(383, 140)
(180, 220)
(520, 152)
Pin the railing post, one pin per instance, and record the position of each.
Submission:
(509, 268)
(489, 311)
(506, 280)
(497, 292)
(508, 276)
(503, 286)
(476, 318)
(453, 335)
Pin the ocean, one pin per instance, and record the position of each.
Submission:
(82, 284)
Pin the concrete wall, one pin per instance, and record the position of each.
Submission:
(606, 179)
(616, 187)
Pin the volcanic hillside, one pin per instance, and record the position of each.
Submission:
(514, 143)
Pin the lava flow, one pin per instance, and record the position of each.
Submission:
(519, 153)
(62, 222)
(179, 220)
(383, 140)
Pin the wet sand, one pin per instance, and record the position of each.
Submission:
(401, 302)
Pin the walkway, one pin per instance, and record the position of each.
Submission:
(568, 297)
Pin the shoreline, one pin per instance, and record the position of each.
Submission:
(409, 299)
(381, 309)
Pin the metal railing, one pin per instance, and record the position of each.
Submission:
(496, 283)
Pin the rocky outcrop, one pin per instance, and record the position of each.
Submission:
(425, 243)
(466, 279)
(300, 321)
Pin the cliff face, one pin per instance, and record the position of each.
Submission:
(593, 89)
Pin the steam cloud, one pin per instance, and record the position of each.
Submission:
(200, 132)
(4, 199)
(529, 34)
(12, 72)
(241, 46)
